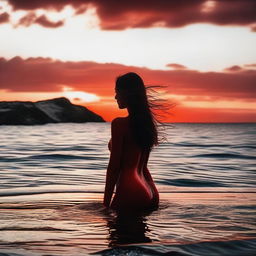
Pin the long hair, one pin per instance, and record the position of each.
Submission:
(143, 120)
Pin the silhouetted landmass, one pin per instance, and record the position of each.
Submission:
(59, 110)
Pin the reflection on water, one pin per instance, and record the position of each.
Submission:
(128, 229)
(78, 224)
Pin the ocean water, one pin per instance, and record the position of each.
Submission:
(52, 181)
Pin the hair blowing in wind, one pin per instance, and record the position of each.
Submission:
(144, 108)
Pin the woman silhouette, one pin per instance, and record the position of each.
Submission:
(132, 139)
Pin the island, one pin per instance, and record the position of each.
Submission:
(58, 110)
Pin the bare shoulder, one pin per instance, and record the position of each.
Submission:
(119, 122)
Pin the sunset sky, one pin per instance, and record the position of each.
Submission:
(203, 51)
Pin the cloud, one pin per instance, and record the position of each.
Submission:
(37, 4)
(118, 15)
(31, 18)
(43, 21)
(253, 28)
(244, 68)
(4, 17)
(234, 69)
(48, 75)
(27, 19)
(175, 66)
(250, 65)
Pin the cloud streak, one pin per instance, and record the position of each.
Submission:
(119, 15)
(176, 66)
(48, 75)
(31, 18)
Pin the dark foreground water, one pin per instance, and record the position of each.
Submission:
(52, 180)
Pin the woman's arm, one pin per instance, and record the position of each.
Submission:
(114, 161)
(152, 185)
(150, 181)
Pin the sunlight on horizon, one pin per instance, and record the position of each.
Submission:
(81, 96)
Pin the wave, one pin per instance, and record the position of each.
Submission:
(17, 228)
(69, 148)
(19, 192)
(225, 155)
(227, 248)
(190, 144)
(244, 146)
(43, 157)
(60, 157)
(94, 190)
(190, 183)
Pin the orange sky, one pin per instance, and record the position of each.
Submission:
(202, 51)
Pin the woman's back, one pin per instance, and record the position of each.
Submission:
(135, 188)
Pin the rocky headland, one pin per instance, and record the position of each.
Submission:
(58, 110)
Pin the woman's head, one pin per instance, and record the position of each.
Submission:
(130, 89)
(131, 94)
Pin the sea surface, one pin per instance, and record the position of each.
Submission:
(52, 180)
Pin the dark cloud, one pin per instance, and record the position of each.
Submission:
(36, 4)
(27, 19)
(48, 75)
(4, 17)
(43, 21)
(245, 68)
(118, 15)
(175, 66)
(31, 18)
(234, 69)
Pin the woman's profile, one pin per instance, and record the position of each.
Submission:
(132, 139)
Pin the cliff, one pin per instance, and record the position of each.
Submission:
(59, 110)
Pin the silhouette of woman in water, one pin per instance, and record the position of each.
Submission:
(132, 139)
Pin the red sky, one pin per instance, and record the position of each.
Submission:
(208, 81)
